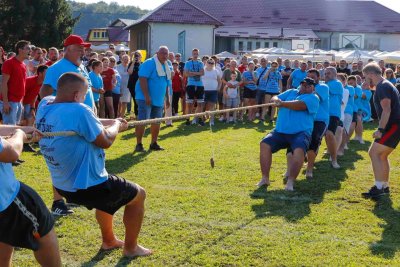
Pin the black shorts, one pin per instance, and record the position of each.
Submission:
(248, 93)
(194, 92)
(391, 137)
(109, 196)
(333, 124)
(317, 135)
(108, 94)
(17, 229)
(355, 116)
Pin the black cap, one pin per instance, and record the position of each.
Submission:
(309, 81)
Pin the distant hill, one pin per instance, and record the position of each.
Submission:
(101, 14)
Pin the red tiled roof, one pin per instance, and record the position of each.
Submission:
(318, 15)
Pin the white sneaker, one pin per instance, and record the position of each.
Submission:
(221, 118)
(194, 121)
(257, 115)
(361, 141)
(212, 123)
(335, 165)
(346, 147)
(230, 119)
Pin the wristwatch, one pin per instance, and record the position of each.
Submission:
(381, 130)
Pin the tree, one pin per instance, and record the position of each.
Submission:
(45, 23)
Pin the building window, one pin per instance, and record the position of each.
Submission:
(266, 44)
(275, 44)
(249, 46)
(141, 40)
(240, 46)
(181, 43)
(103, 34)
(258, 45)
(95, 35)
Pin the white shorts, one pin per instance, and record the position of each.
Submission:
(125, 95)
(347, 122)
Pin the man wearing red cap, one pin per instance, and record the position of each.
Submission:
(74, 51)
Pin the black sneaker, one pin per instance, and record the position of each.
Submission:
(60, 209)
(187, 122)
(374, 192)
(139, 148)
(201, 122)
(386, 190)
(28, 148)
(155, 147)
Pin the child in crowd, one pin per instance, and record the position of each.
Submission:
(231, 94)
(177, 88)
(97, 82)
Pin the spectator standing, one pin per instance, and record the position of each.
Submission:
(53, 56)
(125, 94)
(97, 83)
(211, 82)
(133, 70)
(177, 89)
(37, 60)
(285, 72)
(250, 90)
(13, 84)
(109, 82)
(297, 76)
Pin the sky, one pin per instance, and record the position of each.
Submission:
(151, 4)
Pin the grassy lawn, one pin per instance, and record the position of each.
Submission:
(199, 216)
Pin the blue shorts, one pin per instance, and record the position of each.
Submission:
(278, 141)
(260, 97)
(148, 112)
(211, 96)
(232, 102)
(14, 116)
(317, 134)
(27, 111)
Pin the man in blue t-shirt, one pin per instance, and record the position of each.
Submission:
(300, 106)
(74, 50)
(297, 76)
(25, 221)
(321, 120)
(356, 125)
(194, 70)
(77, 163)
(273, 88)
(335, 103)
(151, 92)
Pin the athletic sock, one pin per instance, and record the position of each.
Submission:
(385, 184)
(379, 184)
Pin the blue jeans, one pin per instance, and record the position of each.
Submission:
(14, 116)
(148, 112)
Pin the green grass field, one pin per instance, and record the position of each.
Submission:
(199, 216)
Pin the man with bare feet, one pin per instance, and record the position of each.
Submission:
(77, 163)
(299, 106)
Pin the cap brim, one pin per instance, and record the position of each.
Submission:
(87, 45)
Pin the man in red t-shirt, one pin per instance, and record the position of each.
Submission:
(53, 56)
(13, 84)
(244, 63)
(32, 88)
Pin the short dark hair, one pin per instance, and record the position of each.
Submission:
(314, 71)
(41, 68)
(67, 79)
(95, 63)
(342, 76)
(352, 77)
(20, 45)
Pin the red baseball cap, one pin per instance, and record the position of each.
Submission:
(75, 40)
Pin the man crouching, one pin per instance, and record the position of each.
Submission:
(77, 163)
(293, 130)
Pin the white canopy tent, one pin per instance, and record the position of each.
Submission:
(393, 57)
(355, 55)
(226, 54)
(102, 47)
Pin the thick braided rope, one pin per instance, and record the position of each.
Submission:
(174, 118)
(201, 114)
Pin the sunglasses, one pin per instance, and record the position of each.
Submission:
(210, 62)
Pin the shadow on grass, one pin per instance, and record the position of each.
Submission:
(185, 130)
(96, 259)
(124, 162)
(294, 206)
(389, 244)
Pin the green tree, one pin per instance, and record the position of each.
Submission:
(45, 23)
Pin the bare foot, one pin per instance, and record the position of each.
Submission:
(289, 185)
(138, 252)
(263, 182)
(112, 245)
